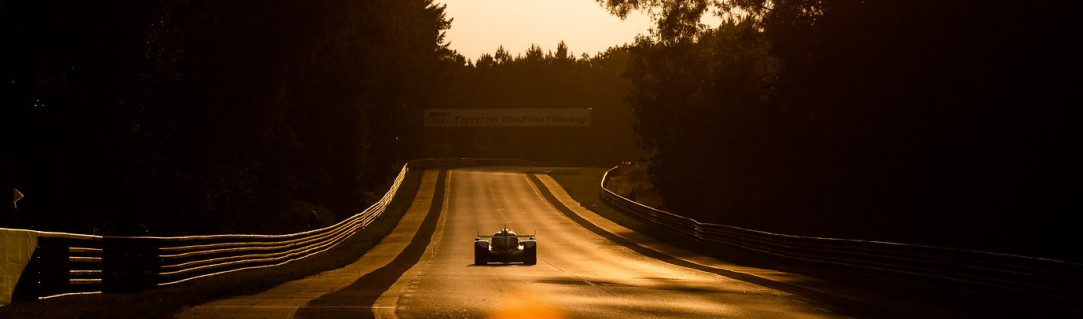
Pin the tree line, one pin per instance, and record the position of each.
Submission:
(538, 78)
(946, 123)
(193, 116)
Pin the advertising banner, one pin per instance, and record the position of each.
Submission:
(16, 247)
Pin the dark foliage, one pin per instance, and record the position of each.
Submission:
(194, 116)
(947, 123)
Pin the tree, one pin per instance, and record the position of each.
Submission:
(865, 119)
(205, 116)
(537, 80)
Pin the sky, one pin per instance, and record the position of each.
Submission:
(480, 26)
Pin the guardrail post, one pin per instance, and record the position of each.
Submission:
(129, 264)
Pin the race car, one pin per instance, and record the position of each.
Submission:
(505, 247)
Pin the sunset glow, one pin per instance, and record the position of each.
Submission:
(480, 26)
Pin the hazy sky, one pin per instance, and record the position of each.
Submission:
(480, 26)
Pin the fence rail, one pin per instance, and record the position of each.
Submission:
(1036, 280)
(66, 263)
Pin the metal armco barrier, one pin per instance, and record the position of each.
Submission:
(65, 263)
(1036, 280)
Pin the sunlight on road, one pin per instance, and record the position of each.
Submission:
(524, 305)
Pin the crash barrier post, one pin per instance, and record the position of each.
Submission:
(1042, 281)
(60, 264)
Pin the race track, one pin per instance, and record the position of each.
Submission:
(588, 267)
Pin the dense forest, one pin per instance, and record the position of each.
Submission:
(194, 116)
(940, 122)
(543, 79)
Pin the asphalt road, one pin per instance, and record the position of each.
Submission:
(579, 273)
(588, 267)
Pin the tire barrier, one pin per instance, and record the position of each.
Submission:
(57, 264)
(1040, 281)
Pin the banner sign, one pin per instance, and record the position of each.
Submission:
(506, 117)
(16, 248)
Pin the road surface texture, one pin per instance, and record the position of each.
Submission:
(588, 267)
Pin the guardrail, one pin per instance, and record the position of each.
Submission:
(65, 263)
(1037, 280)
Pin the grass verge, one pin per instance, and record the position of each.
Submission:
(164, 302)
